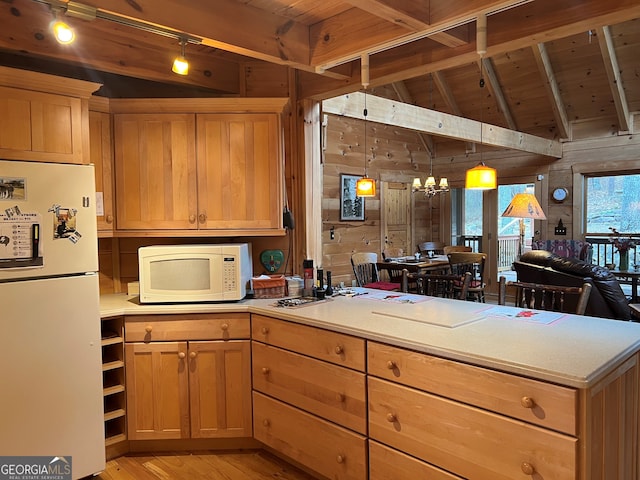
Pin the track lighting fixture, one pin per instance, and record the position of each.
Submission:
(62, 32)
(180, 63)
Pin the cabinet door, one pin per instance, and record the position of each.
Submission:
(220, 389)
(155, 171)
(239, 171)
(157, 390)
(40, 126)
(101, 155)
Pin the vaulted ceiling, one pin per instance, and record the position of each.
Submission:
(552, 68)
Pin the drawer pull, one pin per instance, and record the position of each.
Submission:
(148, 328)
(340, 459)
(264, 330)
(391, 365)
(224, 326)
(202, 217)
(527, 468)
(341, 397)
(192, 219)
(339, 349)
(265, 370)
(181, 355)
(109, 218)
(527, 402)
(193, 354)
(266, 422)
(391, 418)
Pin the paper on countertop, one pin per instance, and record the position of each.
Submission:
(528, 315)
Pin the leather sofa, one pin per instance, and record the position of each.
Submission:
(606, 300)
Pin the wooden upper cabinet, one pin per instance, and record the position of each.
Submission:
(239, 171)
(101, 156)
(44, 118)
(199, 173)
(155, 167)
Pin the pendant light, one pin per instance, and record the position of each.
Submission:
(481, 177)
(365, 186)
(429, 187)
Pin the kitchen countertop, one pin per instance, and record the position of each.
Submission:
(570, 350)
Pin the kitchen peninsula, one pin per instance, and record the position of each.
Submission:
(437, 387)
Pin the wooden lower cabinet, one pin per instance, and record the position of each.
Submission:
(388, 464)
(188, 388)
(332, 451)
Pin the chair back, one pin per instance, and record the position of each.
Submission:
(456, 248)
(364, 267)
(437, 285)
(436, 247)
(392, 252)
(546, 297)
(474, 263)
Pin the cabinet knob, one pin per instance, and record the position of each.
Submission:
(193, 354)
(265, 370)
(148, 328)
(339, 349)
(391, 365)
(224, 326)
(527, 402)
(264, 330)
(341, 397)
(192, 219)
(527, 468)
(181, 355)
(391, 418)
(266, 422)
(340, 459)
(109, 218)
(202, 218)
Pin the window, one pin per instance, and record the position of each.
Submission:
(466, 218)
(612, 201)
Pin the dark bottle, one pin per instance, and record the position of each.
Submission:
(329, 290)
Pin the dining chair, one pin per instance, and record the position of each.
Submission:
(437, 284)
(366, 272)
(456, 248)
(546, 297)
(392, 252)
(474, 263)
(436, 247)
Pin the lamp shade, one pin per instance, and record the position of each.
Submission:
(481, 177)
(366, 187)
(524, 205)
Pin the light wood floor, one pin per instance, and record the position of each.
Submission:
(241, 465)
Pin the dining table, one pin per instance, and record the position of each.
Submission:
(629, 277)
(436, 263)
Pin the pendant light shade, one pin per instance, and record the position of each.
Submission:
(481, 177)
(366, 187)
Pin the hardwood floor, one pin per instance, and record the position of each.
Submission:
(240, 465)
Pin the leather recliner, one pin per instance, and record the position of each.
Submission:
(606, 300)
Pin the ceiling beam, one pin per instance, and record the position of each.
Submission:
(615, 80)
(389, 112)
(405, 97)
(494, 87)
(553, 90)
(450, 101)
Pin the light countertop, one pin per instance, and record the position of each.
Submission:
(570, 350)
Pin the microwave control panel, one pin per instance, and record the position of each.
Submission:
(229, 274)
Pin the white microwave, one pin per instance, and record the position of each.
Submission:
(194, 273)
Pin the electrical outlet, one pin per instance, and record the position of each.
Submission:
(560, 230)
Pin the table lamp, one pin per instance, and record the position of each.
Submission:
(524, 205)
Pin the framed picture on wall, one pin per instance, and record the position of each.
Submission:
(351, 206)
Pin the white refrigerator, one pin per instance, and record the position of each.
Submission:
(50, 355)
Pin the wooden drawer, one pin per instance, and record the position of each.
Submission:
(388, 464)
(330, 450)
(329, 391)
(533, 401)
(464, 440)
(158, 328)
(315, 342)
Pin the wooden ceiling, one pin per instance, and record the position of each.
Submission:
(553, 68)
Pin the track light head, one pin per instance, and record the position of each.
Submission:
(180, 63)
